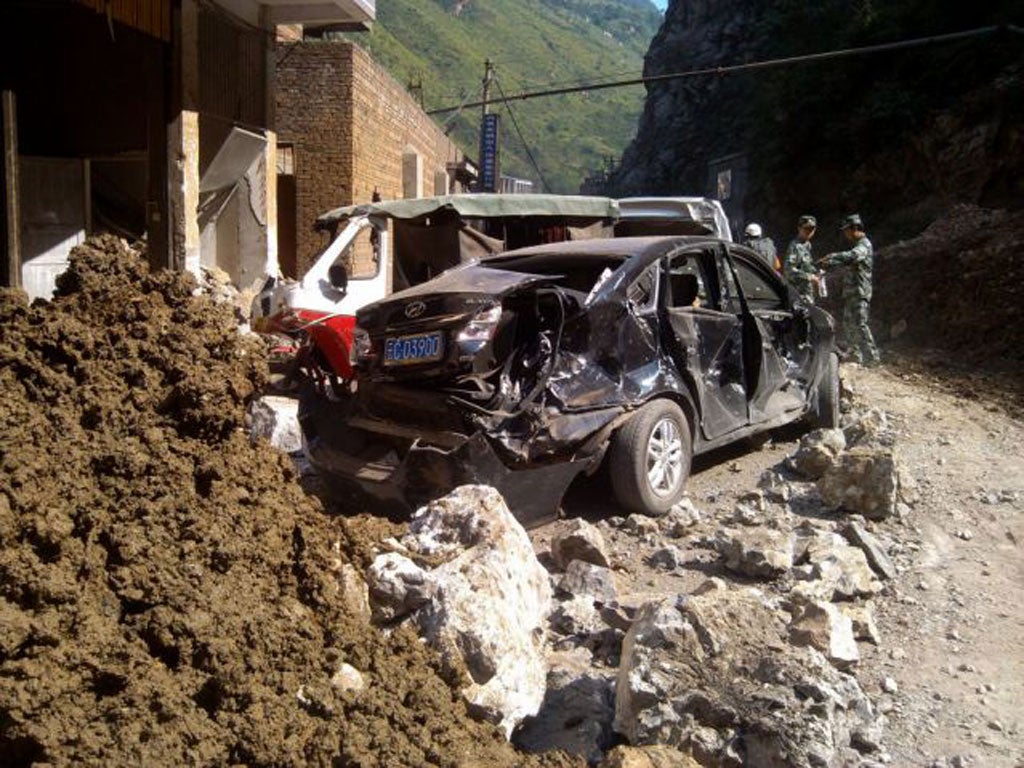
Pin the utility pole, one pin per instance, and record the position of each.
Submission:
(485, 91)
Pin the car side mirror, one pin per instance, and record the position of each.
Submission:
(337, 275)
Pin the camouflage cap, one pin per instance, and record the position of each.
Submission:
(853, 221)
(807, 221)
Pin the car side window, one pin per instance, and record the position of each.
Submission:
(759, 291)
(688, 286)
(643, 292)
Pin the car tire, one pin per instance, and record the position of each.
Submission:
(649, 458)
(826, 409)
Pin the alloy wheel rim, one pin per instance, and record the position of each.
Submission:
(664, 458)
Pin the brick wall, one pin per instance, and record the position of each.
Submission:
(350, 124)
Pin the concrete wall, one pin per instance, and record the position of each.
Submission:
(353, 128)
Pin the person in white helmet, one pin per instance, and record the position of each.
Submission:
(763, 246)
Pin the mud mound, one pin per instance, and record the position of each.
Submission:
(954, 289)
(167, 592)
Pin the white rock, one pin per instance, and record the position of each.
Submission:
(838, 570)
(679, 519)
(760, 552)
(774, 487)
(397, 586)
(667, 558)
(491, 600)
(641, 525)
(824, 626)
(576, 616)
(348, 679)
(276, 419)
(580, 541)
(818, 452)
(864, 627)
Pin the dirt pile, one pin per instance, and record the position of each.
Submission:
(168, 594)
(954, 289)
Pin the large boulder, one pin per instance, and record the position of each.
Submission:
(580, 541)
(818, 452)
(865, 481)
(712, 674)
(487, 600)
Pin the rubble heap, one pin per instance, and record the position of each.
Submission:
(168, 594)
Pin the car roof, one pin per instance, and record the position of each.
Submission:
(478, 205)
(623, 247)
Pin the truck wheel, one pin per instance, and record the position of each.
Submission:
(649, 458)
(826, 409)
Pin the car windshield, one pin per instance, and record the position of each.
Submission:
(577, 272)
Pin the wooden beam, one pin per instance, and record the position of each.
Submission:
(12, 214)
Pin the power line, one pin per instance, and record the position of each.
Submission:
(515, 124)
(754, 65)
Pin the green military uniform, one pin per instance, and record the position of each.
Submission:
(799, 268)
(857, 297)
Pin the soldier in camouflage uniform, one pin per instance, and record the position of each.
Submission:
(799, 268)
(857, 295)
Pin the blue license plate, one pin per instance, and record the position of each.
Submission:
(420, 348)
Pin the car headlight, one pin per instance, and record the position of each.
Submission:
(482, 327)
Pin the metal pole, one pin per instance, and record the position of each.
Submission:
(485, 93)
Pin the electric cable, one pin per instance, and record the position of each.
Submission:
(750, 66)
(515, 124)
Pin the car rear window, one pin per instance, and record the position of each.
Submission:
(577, 273)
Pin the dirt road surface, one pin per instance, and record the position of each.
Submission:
(952, 622)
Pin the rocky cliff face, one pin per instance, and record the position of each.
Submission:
(899, 137)
(680, 127)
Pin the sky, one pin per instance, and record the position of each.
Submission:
(660, 3)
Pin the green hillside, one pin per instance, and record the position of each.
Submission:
(533, 43)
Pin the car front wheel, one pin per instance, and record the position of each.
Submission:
(649, 458)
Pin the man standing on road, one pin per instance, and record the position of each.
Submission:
(762, 246)
(858, 295)
(799, 268)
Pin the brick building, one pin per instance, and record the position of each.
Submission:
(347, 130)
(148, 118)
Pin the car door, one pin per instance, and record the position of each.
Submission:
(777, 356)
(705, 342)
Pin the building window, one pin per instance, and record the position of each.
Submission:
(725, 184)
(285, 160)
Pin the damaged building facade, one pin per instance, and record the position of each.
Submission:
(349, 133)
(151, 119)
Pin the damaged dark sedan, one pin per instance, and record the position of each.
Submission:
(525, 369)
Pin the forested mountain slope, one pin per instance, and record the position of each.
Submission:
(443, 45)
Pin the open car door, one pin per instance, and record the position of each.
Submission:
(706, 341)
(777, 356)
